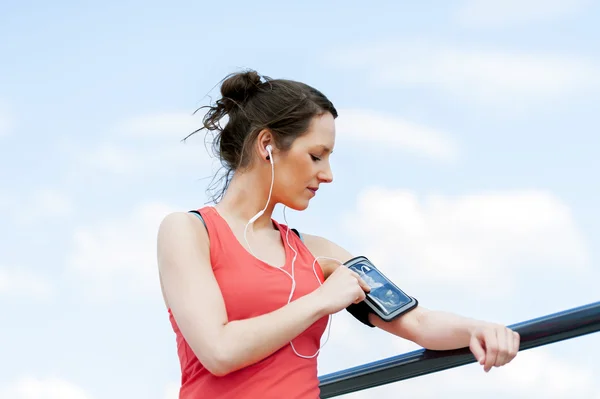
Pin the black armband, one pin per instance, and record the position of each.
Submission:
(361, 312)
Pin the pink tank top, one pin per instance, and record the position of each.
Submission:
(251, 288)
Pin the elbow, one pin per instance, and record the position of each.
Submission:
(218, 363)
(218, 370)
(412, 327)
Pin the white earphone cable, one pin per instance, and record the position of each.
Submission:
(260, 213)
(292, 275)
(294, 285)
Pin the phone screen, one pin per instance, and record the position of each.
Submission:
(384, 294)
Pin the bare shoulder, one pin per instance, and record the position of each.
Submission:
(182, 250)
(181, 231)
(321, 246)
(180, 225)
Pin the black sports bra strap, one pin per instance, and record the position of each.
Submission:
(199, 216)
(298, 234)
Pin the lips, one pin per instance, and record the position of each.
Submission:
(313, 189)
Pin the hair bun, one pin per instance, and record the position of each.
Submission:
(239, 86)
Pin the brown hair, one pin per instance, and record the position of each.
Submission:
(252, 103)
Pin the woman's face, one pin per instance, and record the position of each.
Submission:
(305, 166)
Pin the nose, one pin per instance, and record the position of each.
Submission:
(325, 175)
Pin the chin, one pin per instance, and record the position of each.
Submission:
(297, 205)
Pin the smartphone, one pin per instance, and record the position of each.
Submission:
(385, 298)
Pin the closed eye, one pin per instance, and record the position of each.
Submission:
(315, 158)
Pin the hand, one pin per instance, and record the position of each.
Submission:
(494, 345)
(342, 288)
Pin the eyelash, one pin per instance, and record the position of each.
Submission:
(315, 158)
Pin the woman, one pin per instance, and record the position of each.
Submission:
(247, 299)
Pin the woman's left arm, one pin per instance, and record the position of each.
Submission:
(493, 345)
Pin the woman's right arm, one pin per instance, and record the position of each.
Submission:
(195, 299)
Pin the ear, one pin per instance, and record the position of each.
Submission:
(264, 139)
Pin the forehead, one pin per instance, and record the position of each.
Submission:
(321, 132)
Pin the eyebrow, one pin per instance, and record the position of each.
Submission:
(325, 148)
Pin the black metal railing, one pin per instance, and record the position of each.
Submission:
(537, 332)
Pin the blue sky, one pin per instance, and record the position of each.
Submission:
(472, 125)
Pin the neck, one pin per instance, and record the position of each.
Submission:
(247, 195)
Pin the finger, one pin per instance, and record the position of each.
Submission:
(477, 349)
(502, 347)
(361, 282)
(514, 339)
(510, 344)
(491, 346)
(360, 297)
(364, 285)
(517, 341)
(341, 269)
(353, 273)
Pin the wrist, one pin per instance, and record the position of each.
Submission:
(318, 304)
(475, 325)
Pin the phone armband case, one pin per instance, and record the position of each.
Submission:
(385, 299)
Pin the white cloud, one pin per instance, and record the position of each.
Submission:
(149, 145)
(535, 373)
(43, 388)
(473, 243)
(21, 283)
(117, 258)
(493, 14)
(470, 74)
(376, 128)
